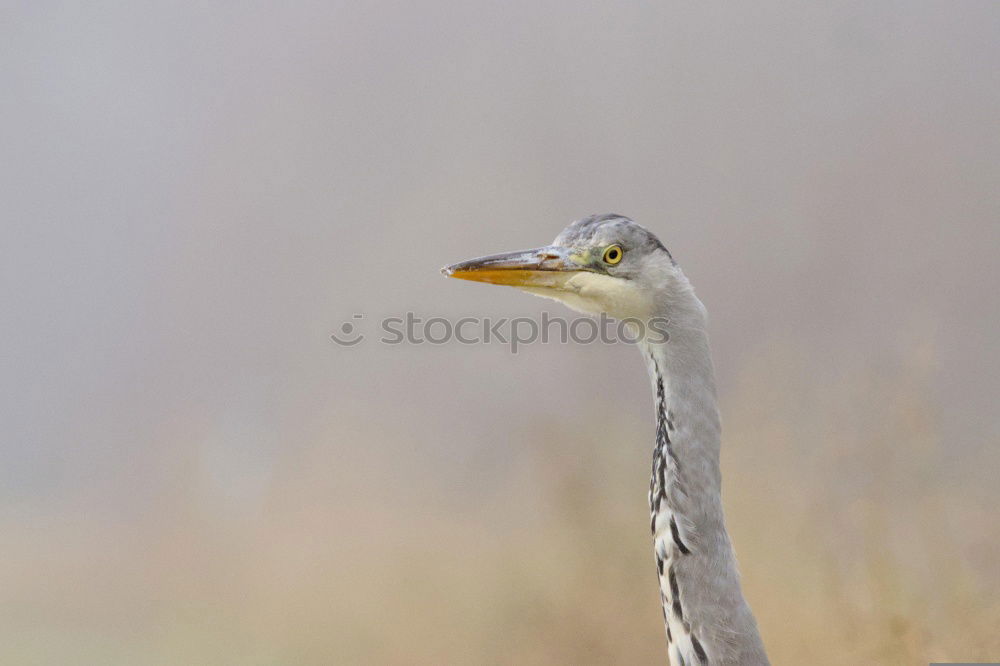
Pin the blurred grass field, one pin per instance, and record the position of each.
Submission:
(865, 546)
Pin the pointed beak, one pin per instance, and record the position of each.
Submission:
(548, 266)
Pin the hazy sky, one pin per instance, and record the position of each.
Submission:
(196, 194)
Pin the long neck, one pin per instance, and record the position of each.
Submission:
(707, 618)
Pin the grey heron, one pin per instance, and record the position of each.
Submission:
(609, 264)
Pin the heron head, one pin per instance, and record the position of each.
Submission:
(602, 263)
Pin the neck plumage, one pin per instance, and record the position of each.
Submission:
(707, 619)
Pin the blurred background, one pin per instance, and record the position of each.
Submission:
(196, 195)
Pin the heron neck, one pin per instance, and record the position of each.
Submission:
(687, 404)
(706, 615)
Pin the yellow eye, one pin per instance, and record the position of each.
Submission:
(613, 254)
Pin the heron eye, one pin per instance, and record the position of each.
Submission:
(613, 255)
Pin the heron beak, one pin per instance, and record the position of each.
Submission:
(548, 267)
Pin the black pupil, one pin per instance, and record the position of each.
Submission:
(612, 254)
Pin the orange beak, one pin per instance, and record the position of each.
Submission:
(542, 267)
